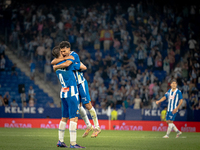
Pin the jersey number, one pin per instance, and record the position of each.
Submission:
(61, 79)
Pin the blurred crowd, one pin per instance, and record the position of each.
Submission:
(122, 47)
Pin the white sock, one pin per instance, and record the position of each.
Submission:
(72, 132)
(175, 128)
(84, 116)
(61, 130)
(94, 117)
(170, 125)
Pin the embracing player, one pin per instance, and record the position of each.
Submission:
(69, 99)
(175, 99)
(82, 88)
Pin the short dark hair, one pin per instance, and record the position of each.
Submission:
(64, 44)
(173, 80)
(56, 51)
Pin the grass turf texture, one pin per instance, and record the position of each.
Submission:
(46, 139)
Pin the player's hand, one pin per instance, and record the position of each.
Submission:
(157, 102)
(54, 67)
(174, 111)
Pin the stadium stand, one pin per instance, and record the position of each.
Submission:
(130, 48)
(9, 84)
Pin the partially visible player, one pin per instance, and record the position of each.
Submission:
(69, 99)
(175, 99)
(83, 92)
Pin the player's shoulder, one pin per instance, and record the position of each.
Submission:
(179, 91)
(73, 53)
(168, 91)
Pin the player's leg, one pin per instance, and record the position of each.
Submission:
(63, 122)
(170, 118)
(85, 99)
(93, 114)
(73, 102)
(175, 128)
(88, 105)
(84, 116)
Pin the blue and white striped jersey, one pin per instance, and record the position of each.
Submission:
(67, 78)
(78, 73)
(173, 99)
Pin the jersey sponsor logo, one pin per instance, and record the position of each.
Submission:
(14, 124)
(171, 97)
(65, 89)
(84, 98)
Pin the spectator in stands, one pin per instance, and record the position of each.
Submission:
(24, 104)
(126, 104)
(150, 62)
(192, 43)
(163, 114)
(185, 91)
(97, 43)
(183, 105)
(193, 101)
(23, 97)
(131, 13)
(114, 114)
(112, 101)
(166, 66)
(1, 101)
(13, 69)
(137, 102)
(171, 57)
(116, 44)
(6, 101)
(2, 48)
(197, 106)
(7, 95)
(31, 102)
(13, 103)
(177, 71)
(2, 63)
(153, 102)
(32, 70)
(31, 93)
(118, 95)
(40, 52)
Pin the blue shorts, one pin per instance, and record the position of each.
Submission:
(84, 93)
(70, 105)
(170, 116)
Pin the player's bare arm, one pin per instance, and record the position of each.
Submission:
(57, 60)
(82, 67)
(63, 65)
(175, 110)
(161, 100)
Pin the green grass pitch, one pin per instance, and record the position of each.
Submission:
(46, 139)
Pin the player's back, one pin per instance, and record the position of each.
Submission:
(66, 76)
(79, 74)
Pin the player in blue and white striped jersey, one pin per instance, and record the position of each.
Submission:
(175, 99)
(69, 97)
(83, 92)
